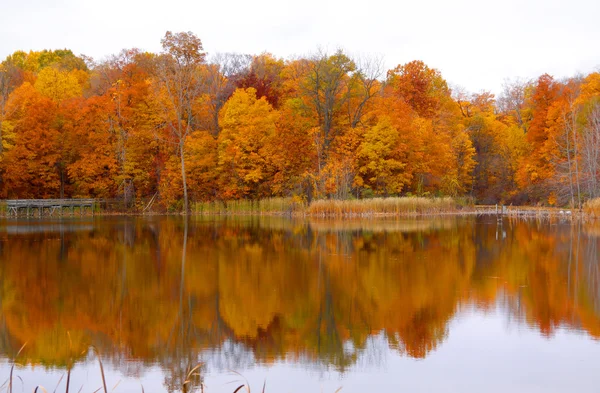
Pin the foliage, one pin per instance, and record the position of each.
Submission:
(179, 126)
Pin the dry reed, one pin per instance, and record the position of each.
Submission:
(398, 206)
(267, 206)
(592, 207)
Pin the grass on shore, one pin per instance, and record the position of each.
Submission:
(291, 206)
(331, 207)
(296, 206)
(592, 207)
(382, 206)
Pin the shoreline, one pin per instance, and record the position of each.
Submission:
(293, 207)
(515, 212)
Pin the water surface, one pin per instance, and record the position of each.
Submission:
(453, 304)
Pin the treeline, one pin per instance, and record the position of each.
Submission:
(181, 125)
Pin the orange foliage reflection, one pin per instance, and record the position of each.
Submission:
(281, 288)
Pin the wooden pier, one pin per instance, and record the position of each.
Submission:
(524, 211)
(51, 206)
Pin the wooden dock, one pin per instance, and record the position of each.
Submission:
(51, 206)
(524, 211)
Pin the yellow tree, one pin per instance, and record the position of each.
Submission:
(201, 170)
(58, 85)
(493, 174)
(379, 160)
(247, 125)
(464, 154)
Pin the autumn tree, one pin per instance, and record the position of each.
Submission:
(363, 86)
(421, 87)
(563, 140)
(34, 61)
(180, 87)
(537, 167)
(591, 150)
(512, 101)
(337, 177)
(57, 85)
(588, 127)
(248, 125)
(493, 165)
(431, 127)
(292, 151)
(132, 117)
(380, 160)
(10, 78)
(60, 86)
(264, 75)
(30, 163)
(93, 167)
(325, 85)
(202, 160)
(220, 78)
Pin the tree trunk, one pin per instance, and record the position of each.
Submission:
(62, 182)
(576, 154)
(1, 145)
(571, 193)
(183, 178)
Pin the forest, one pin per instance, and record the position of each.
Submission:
(183, 125)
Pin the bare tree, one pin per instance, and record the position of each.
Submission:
(326, 84)
(179, 76)
(222, 72)
(10, 78)
(463, 100)
(512, 101)
(567, 162)
(591, 151)
(363, 86)
(4, 92)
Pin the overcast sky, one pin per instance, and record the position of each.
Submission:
(474, 43)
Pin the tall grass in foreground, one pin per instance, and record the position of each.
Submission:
(592, 207)
(382, 206)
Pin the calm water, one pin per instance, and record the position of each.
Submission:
(446, 305)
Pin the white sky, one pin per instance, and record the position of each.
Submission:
(474, 43)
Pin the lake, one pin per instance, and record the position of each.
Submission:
(455, 304)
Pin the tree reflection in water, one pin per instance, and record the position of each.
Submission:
(232, 292)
